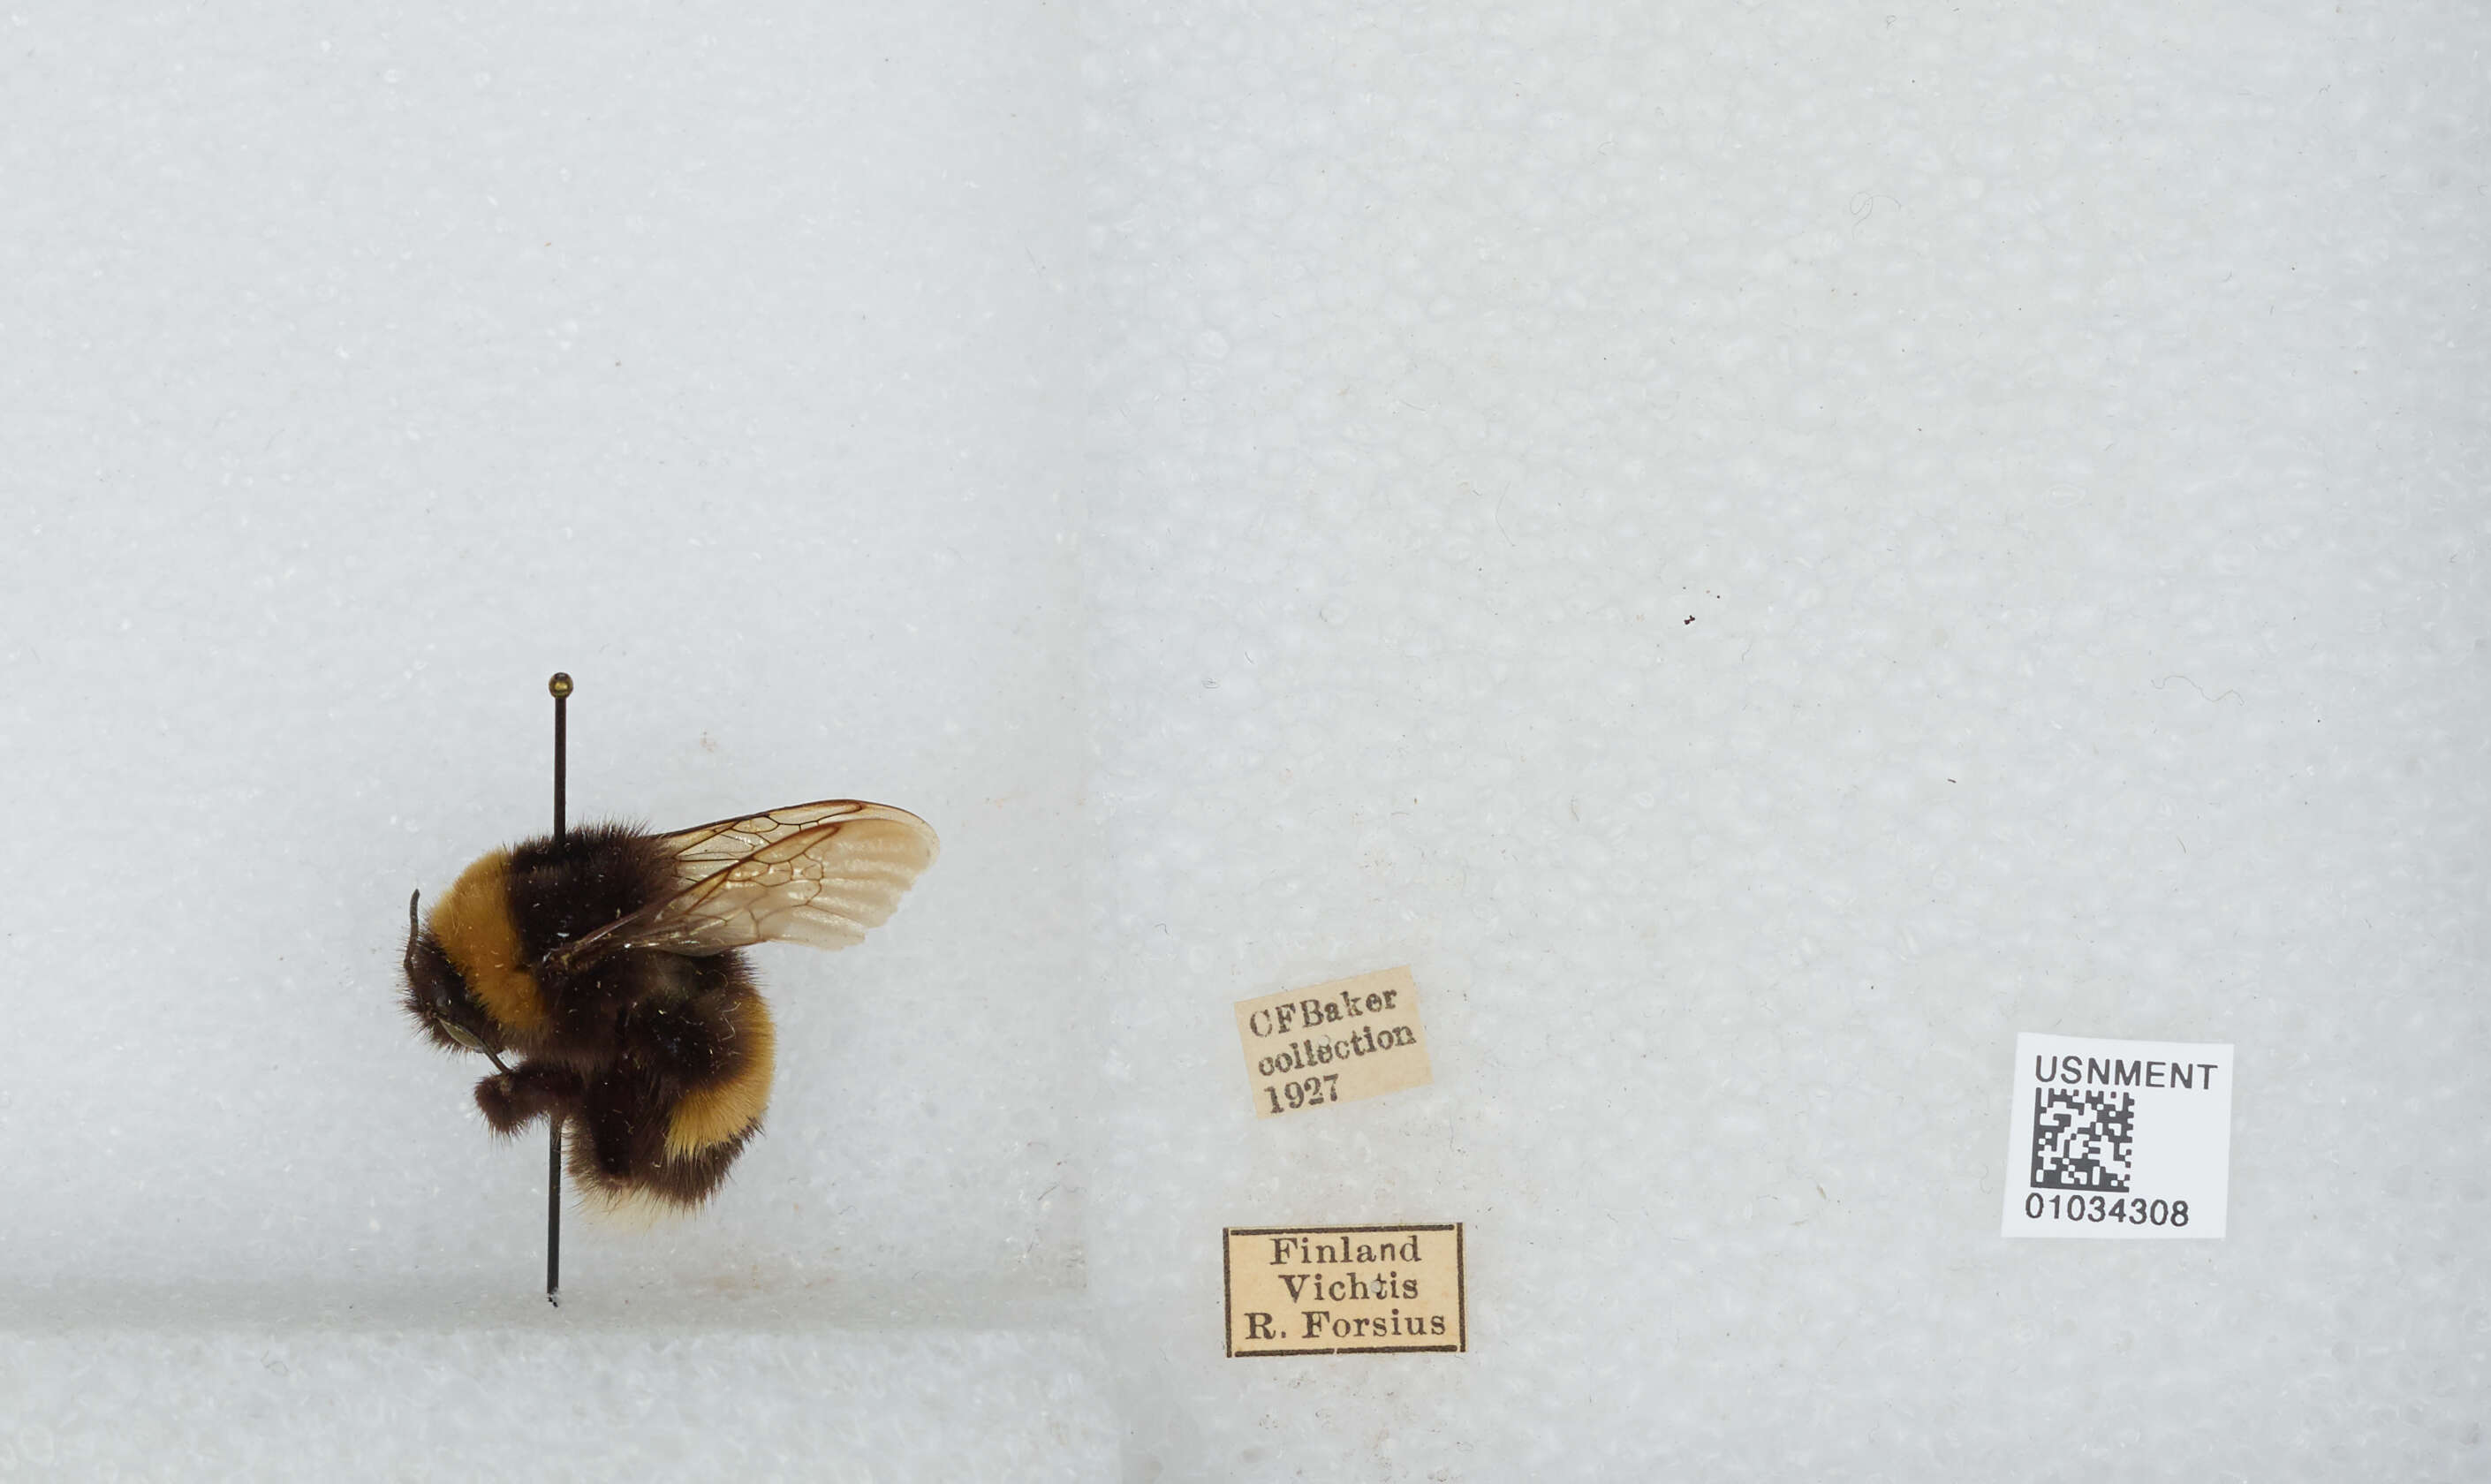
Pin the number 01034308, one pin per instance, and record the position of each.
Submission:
(2070, 1206)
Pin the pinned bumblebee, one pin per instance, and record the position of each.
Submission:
(605, 961)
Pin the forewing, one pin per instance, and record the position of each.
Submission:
(820, 874)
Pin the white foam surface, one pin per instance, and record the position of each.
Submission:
(1766, 549)
(366, 1383)
(1763, 549)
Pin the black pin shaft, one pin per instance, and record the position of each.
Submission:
(553, 1212)
(560, 687)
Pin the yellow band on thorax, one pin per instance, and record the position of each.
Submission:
(473, 926)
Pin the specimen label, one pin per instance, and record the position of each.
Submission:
(1333, 1290)
(2118, 1138)
(1309, 1048)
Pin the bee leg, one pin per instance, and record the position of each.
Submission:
(514, 1099)
(624, 1118)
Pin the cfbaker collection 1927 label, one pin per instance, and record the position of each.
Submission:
(1306, 1048)
(1329, 1290)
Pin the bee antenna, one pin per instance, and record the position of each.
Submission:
(412, 898)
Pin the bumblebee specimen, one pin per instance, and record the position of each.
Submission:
(606, 963)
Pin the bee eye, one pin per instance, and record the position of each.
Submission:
(461, 1033)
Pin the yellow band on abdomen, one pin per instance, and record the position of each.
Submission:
(718, 1113)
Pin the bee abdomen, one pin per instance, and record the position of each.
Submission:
(731, 1107)
(654, 1190)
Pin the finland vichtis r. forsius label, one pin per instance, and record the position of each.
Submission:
(1330, 1290)
(1309, 1048)
(2118, 1138)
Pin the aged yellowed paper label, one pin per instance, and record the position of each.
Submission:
(1329, 1290)
(1308, 1048)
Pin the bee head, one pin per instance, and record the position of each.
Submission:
(438, 995)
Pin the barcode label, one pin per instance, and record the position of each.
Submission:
(2118, 1138)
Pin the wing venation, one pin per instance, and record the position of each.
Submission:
(821, 874)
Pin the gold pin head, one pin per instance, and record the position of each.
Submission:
(559, 685)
